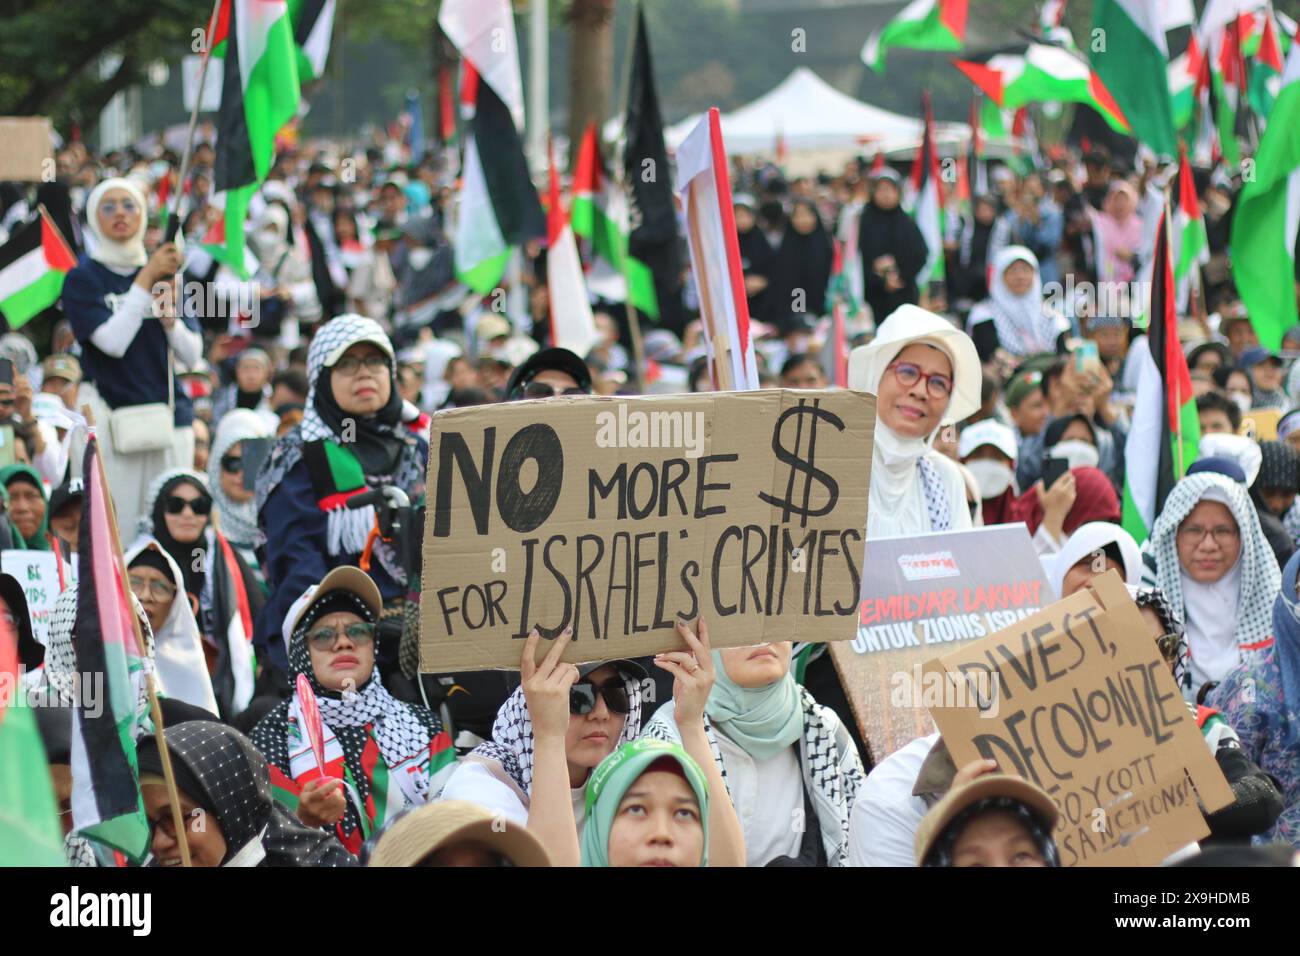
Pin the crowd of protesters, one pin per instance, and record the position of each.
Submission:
(999, 400)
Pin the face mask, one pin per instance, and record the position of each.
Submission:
(419, 258)
(992, 477)
(1242, 401)
(1078, 453)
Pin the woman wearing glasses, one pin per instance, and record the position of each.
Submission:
(394, 754)
(222, 591)
(564, 720)
(236, 504)
(1211, 560)
(1258, 801)
(351, 438)
(179, 655)
(1261, 700)
(127, 345)
(924, 373)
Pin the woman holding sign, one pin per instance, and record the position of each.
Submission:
(564, 720)
(782, 756)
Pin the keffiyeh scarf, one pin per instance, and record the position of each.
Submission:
(238, 519)
(347, 529)
(1260, 580)
(388, 753)
(819, 757)
(510, 751)
(1023, 325)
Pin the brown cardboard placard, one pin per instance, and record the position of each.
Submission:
(1078, 699)
(746, 507)
(26, 147)
(923, 595)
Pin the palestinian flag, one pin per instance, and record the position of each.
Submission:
(1189, 224)
(1165, 432)
(1182, 72)
(1265, 68)
(1050, 14)
(232, 680)
(647, 173)
(572, 325)
(33, 264)
(599, 215)
(1043, 74)
(927, 202)
(1134, 64)
(313, 28)
(30, 834)
(498, 207)
(922, 25)
(414, 781)
(259, 95)
(106, 804)
(1264, 224)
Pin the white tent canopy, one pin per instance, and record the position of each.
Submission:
(808, 114)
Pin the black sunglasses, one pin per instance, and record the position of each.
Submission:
(542, 390)
(232, 464)
(582, 697)
(176, 504)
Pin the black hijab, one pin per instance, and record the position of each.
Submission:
(378, 439)
(221, 771)
(802, 262)
(183, 554)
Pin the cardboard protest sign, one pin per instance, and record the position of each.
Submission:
(38, 573)
(921, 595)
(613, 515)
(26, 149)
(1078, 699)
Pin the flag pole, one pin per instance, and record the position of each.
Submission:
(1166, 272)
(187, 155)
(169, 776)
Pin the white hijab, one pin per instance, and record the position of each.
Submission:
(120, 256)
(897, 500)
(1024, 328)
(178, 648)
(1208, 614)
(1089, 539)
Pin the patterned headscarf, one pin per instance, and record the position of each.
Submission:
(511, 748)
(1260, 580)
(236, 788)
(941, 853)
(238, 520)
(1024, 325)
(347, 529)
(401, 731)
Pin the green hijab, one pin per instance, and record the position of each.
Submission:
(762, 721)
(615, 775)
(39, 541)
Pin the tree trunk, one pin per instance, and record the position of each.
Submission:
(591, 70)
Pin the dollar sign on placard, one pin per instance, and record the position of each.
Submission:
(802, 462)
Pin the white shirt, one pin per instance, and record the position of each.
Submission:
(885, 815)
(906, 512)
(474, 782)
(768, 797)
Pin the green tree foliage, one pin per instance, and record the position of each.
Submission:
(51, 50)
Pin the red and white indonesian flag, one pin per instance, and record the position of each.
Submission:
(715, 255)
